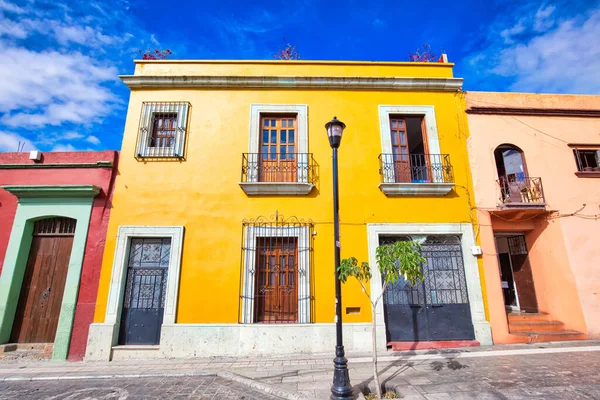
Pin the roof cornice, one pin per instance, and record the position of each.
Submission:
(293, 82)
(545, 112)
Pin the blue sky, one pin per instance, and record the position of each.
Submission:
(59, 88)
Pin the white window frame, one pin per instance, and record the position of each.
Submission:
(150, 108)
(428, 112)
(302, 233)
(301, 111)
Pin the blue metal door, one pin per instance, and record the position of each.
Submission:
(145, 291)
(436, 308)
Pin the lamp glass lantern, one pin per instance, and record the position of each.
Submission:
(335, 129)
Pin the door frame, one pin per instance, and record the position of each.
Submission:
(516, 308)
(39, 202)
(103, 336)
(467, 238)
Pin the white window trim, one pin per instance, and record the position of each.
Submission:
(301, 111)
(182, 109)
(119, 271)
(467, 238)
(428, 112)
(303, 235)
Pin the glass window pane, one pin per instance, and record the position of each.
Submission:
(291, 123)
(265, 151)
(265, 122)
(282, 279)
(291, 279)
(273, 122)
(291, 136)
(400, 123)
(283, 136)
(283, 123)
(273, 136)
(273, 152)
(394, 125)
(283, 149)
(292, 262)
(403, 137)
(394, 138)
(271, 278)
(265, 137)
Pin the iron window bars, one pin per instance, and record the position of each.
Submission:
(163, 128)
(275, 271)
(524, 189)
(415, 168)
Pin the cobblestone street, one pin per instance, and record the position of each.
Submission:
(555, 371)
(193, 387)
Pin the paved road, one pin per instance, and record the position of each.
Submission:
(200, 387)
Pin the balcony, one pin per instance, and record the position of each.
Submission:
(415, 174)
(521, 192)
(520, 197)
(292, 174)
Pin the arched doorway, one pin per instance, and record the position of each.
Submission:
(43, 285)
(512, 173)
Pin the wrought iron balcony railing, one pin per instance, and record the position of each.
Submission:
(521, 190)
(278, 167)
(415, 168)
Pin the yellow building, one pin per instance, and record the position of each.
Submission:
(220, 240)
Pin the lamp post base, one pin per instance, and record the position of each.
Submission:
(341, 388)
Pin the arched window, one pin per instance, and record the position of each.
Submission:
(510, 163)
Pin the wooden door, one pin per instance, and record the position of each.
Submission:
(522, 273)
(276, 297)
(278, 158)
(41, 295)
(400, 150)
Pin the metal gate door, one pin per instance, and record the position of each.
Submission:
(436, 308)
(145, 290)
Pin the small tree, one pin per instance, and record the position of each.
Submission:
(393, 260)
(155, 54)
(289, 52)
(422, 55)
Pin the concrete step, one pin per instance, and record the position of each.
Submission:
(542, 337)
(26, 351)
(528, 317)
(535, 326)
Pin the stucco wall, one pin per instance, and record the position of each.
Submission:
(102, 177)
(202, 191)
(544, 142)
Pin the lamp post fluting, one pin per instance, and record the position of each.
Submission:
(341, 389)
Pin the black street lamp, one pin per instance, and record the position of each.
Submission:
(341, 388)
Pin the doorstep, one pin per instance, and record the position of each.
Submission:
(441, 344)
(135, 352)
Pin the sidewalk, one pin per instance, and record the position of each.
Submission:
(516, 371)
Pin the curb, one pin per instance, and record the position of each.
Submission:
(264, 387)
(104, 376)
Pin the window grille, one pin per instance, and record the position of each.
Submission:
(55, 227)
(275, 270)
(163, 128)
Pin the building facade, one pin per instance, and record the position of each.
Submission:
(535, 161)
(221, 237)
(54, 209)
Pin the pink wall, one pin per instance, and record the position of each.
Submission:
(564, 251)
(102, 177)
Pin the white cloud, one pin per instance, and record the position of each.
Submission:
(93, 140)
(51, 88)
(5, 6)
(13, 142)
(564, 58)
(64, 147)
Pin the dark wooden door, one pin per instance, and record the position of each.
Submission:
(400, 150)
(41, 295)
(276, 298)
(145, 291)
(436, 308)
(278, 157)
(522, 274)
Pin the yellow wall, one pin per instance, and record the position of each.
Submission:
(202, 192)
